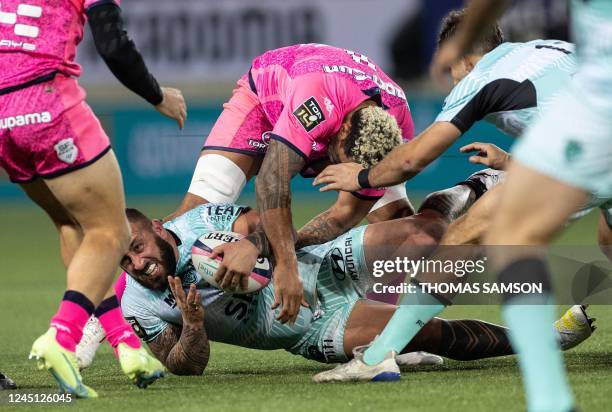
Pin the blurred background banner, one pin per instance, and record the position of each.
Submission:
(204, 46)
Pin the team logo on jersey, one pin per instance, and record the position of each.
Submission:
(309, 114)
(66, 150)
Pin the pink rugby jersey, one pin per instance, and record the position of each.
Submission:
(39, 37)
(306, 91)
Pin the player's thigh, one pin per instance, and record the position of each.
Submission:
(39, 193)
(411, 237)
(532, 207)
(367, 320)
(470, 227)
(93, 195)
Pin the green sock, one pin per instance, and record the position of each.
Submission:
(405, 323)
(529, 319)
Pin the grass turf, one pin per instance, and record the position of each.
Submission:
(238, 379)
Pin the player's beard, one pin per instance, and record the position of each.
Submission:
(167, 261)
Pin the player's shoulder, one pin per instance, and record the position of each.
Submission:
(137, 300)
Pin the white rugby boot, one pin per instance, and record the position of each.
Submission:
(574, 327)
(356, 370)
(93, 336)
(419, 358)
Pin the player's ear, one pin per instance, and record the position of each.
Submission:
(158, 226)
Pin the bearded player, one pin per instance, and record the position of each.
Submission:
(53, 146)
(297, 109)
(338, 320)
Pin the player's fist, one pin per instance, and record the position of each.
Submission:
(239, 259)
(488, 155)
(173, 105)
(288, 294)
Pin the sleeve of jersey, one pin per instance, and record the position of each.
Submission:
(470, 102)
(146, 325)
(309, 115)
(119, 51)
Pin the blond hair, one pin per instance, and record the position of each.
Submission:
(374, 133)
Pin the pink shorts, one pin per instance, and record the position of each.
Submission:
(243, 126)
(47, 130)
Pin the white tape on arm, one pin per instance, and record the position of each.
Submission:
(391, 195)
(217, 179)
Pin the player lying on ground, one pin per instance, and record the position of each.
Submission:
(178, 324)
(296, 110)
(52, 144)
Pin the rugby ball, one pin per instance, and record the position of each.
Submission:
(207, 267)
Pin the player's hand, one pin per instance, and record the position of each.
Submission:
(173, 105)
(342, 176)
(190, 305)
(448, 54)
(288, 294)
(488, 155)
(239, 259)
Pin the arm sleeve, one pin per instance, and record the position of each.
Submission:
(470, 102)
(119, 51)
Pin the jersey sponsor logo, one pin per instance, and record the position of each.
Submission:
(343, 261)
(19, 29)
(25, 120)
(66, 150)
(337, 264)
(361, 76)
(259, 146)
(138, 330)
(309, 114)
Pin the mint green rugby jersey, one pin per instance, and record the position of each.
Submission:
(245, 320)
(511, 85)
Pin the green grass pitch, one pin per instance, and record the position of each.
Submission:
(238, 379)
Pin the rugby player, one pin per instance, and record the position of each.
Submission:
(568, 168)
(177, 324)
(297, 109)
(54, 147)
(507, 84)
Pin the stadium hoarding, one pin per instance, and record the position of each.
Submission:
(196, 41)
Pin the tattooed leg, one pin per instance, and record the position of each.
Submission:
(462, 339)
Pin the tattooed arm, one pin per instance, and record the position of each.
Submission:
(345, 214)
(183, 350)
(273, 187)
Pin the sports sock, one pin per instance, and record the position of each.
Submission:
(119, 286)
(405, 323)
(70, 319)
(529, 318)
(116, 328)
